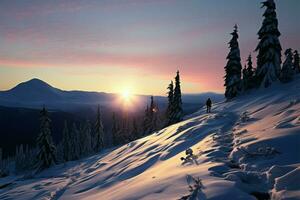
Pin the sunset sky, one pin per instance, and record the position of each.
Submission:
(112, 45)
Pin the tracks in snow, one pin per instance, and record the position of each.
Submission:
(223, 143)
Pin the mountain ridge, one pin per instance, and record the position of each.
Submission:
(36, 92)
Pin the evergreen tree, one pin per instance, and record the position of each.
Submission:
(233, 67)
(46, 148)
(20, 158)
(75, 143)
(80, 136)
(135, 129)
(296, 63)
(86, 139)
(245, 79)
(99, 133)
(60, 153)
(250, 73)
(153, 115)
(269, 47)
(169, 111)
(177, 103)
(287, 67)
(115, 130)
(66, 143)
(150, 121)
(146, 121)
(123, 136)
(24, 158)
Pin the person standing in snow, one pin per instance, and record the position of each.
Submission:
(208, 105)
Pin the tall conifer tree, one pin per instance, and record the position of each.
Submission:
(146, 121)
(169, 111)
(269, 47)
(66, 143)
(245, 79)
(233, 67)
(248, 75)
(177, 102)
(296, 63)
(287, 71)
(75, 143)
(46, 148)
(86, 139)
(99, 132)
(250, 71)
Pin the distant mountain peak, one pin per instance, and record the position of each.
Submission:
(33, 90)
(35, 81)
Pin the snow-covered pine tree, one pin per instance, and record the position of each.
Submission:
(115, 130)
(177, 103)
(66, 143)
(250, 73)
(269, 47)
(287, 71)
(24, 158)
(20, 161)
(30, 157)
(233, 67)
(245, 79)
(169, 111)
(45, 145)
(98, 133)
(296, 63)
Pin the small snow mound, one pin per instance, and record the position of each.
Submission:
(287, 186)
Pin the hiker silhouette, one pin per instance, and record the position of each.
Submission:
(208, 105)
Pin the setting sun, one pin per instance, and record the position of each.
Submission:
(126, 95)
(126, 98)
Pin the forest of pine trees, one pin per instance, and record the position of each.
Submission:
(77, 142)
(269, 68)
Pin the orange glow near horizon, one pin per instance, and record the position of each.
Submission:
(126, 98)
(126, 95)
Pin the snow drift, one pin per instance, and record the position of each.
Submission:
(245, 149)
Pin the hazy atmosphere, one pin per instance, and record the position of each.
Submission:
(111, 45)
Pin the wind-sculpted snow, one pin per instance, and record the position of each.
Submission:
(247, 148)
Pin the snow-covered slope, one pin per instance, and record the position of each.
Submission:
(245, 149)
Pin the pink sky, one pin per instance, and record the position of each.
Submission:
(111, 45)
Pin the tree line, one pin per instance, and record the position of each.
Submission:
(269, 64)
(87, 138)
